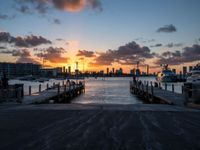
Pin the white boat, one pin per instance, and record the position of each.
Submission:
(194, 75)
(166, 75)
(192, 85)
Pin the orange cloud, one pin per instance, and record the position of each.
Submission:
(70, 5)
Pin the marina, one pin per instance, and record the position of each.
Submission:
(99, 75)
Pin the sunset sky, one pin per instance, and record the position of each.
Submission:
(100, 33)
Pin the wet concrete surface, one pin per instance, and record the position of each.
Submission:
(98, 127)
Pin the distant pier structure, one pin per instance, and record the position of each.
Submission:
(57, 93)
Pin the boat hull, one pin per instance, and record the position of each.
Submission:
(167, 79)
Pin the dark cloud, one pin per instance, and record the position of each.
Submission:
(7, 51)
(43, 6)
(127, 54)
(31, 41)
(57, 21)
(5, 37)
(2, 47)
(157, 45)
(27, 41)
(23, 56)
(189, 54)
(24, 9)
(151, 40)
(95, 4)
(6, 17)
(21, 53)
(84, 53)
(59, 39)
(145, 40)
(167, 29)
(53, 55)
(170, 45)
(29, 6)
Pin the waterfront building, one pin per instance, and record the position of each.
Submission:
(121, 70)
(19, 69)
(69, 70)
(64, 70)
(107, 71)
(113, 70)
(137, 72)
(184, 70)
(190, 68)
(147, 70)
(51, 72)
(174, 71)
(131, 72)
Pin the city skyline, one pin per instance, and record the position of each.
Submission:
(100, 33)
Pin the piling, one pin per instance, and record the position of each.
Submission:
(40, 88)
(166, 86)
(19, 94)
(29, 91)
(172, 87)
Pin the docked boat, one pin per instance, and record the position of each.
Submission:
(192, 85)
(42, 80)
(27, 78)
(194, 75)
(166, 75)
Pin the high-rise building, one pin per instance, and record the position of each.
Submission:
(19, 69)
(190, 68)
(174, 71)
(184, 70)
(64, 69)
(107, 71)
(69, 70)
(113, 70)
(121, 70)
(147, 70)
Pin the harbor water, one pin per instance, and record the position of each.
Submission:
(107, 91)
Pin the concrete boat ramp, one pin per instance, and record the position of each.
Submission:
(98, 127)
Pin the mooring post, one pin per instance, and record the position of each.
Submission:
(182, 89)
(54, 85)
(19, 94)
(29, 90)
(152, 92)
(39, 88)
(69, 84)
(47, 86)
(165, 86)
(142, 88)
(172, 87)
(58, 89)
(147, 90)
(65, 88)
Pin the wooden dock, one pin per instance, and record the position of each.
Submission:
(155, 94)
(55, 94)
